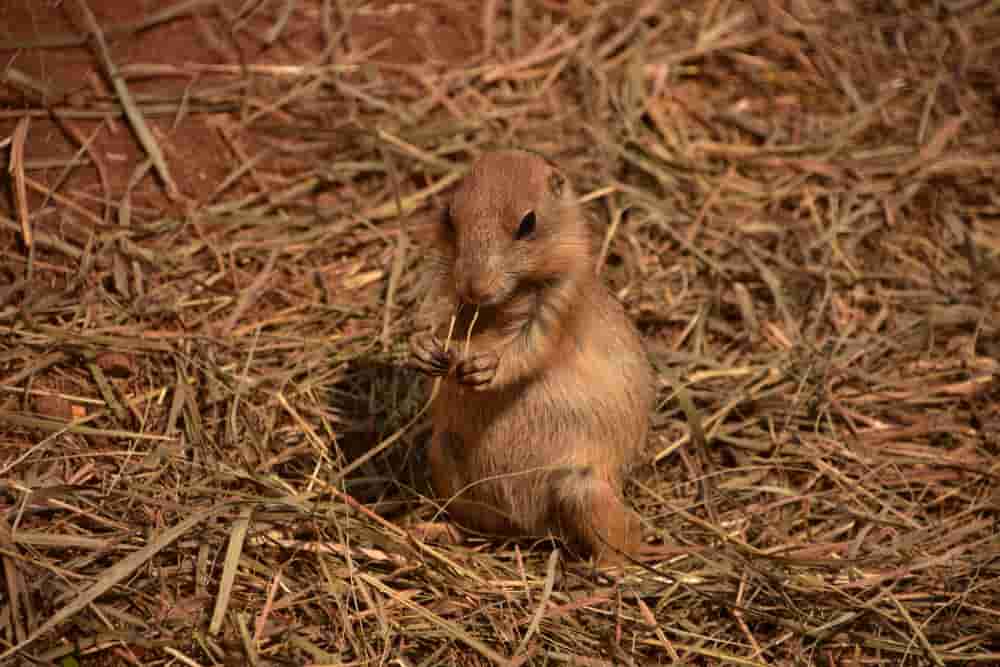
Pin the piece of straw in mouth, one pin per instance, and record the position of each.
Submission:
(468, 334)
(451, 330)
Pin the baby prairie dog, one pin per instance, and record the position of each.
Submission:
(537, 422)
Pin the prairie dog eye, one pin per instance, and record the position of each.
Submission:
(527, 227)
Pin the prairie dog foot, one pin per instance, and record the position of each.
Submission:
(437, 532)
(591, 514)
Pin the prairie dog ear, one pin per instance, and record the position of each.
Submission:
(557, 183)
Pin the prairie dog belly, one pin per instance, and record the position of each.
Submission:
(583, 401)
(504, 449)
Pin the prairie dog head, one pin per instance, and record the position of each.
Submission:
(513, 221)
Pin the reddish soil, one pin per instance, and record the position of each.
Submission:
(200, 148)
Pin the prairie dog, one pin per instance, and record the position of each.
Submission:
(536, 426)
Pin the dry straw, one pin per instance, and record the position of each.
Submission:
(211, 448)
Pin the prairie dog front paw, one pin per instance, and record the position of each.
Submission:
(429, 355)
(477, 371)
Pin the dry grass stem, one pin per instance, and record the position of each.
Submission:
(214, 247)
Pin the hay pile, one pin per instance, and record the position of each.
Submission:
(799, 203)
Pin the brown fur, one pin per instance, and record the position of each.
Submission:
(536, 426)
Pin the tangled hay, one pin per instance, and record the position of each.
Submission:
(210, 448)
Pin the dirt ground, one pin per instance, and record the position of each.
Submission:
(211, 236)
(161, 63)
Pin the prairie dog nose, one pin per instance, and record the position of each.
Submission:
(475, 291)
